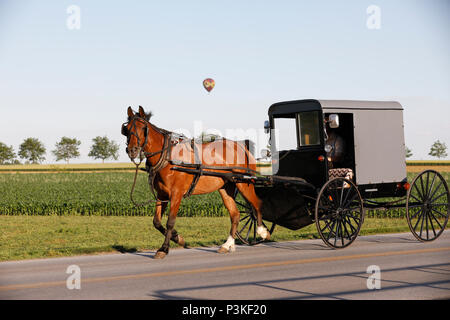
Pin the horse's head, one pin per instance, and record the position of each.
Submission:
(136, 130)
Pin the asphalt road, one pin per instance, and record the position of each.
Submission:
(279, 270)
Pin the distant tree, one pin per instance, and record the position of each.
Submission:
(438, 149)
(32, 150)
(408, 152)
(103, 148)
(7, 154)
(67, 149)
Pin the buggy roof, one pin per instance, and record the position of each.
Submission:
(287, 107)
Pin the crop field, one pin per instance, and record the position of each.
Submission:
(102, 194)
(116, 166)
(90, 193)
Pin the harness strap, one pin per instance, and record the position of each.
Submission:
(194, 181)
(221, 168)
(162, 163)
(199, 168)
(152, 171)
(163, 159)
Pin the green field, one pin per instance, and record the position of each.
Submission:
(101, 194)
(92, 193)
(428, 162)
(67, 167)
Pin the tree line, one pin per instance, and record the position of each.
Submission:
(31, 150)
(438, 149)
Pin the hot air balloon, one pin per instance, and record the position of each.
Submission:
(209, 84)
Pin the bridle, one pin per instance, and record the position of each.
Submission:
(142, 153)
(151, 169)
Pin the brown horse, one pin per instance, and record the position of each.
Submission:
(144, 138)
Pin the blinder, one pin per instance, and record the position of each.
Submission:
(124, 130)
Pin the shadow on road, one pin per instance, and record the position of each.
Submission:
(284, 286)
(123, 249)
(307, 244)
(296, 246)
(387, 239)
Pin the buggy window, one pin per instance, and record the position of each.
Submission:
(286, 133)
(308, 123)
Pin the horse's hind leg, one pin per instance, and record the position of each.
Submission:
(159, 210)
(227, 196)
(248, 191)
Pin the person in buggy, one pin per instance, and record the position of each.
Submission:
(335, 147)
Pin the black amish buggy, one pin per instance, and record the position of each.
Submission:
(307, 186)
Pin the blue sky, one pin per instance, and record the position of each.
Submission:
(58, 82)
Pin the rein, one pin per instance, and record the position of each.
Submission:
(152, 170)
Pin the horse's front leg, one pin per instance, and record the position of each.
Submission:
(175, 202)
(159, 210)
(157, 223)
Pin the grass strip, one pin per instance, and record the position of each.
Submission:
(29, 237)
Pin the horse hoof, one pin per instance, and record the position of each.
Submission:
(263, 233)
(223, 250)
(181, 241)
(160, 255)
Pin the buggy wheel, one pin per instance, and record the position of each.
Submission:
(246, 230)
(427, 205)
(339, 213)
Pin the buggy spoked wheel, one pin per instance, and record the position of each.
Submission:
(339, 213)
(246, 230)
(427, 205)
